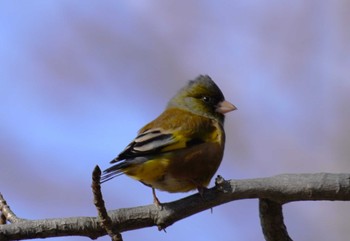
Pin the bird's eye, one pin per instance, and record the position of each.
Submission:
(206, 99)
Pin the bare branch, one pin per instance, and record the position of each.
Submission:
(105, 220)
(2, 219)
(280, 189)
(6, 213)
(271, 219)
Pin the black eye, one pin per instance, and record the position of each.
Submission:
(206, 99)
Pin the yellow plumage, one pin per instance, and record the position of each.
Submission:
(181, 149)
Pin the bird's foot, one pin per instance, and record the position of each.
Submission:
(201, 190)
(156, 200)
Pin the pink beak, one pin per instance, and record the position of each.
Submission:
(224, 106)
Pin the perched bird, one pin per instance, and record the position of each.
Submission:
(181, 149)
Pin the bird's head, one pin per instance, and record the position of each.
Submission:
(202, 97)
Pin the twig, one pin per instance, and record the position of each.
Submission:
(271, 219)
(6, 213)
(2, 219)
(104, 219)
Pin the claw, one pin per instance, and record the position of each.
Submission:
(201, 191)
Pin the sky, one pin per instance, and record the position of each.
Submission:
(78, 79)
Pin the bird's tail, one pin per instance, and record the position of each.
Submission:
(122, 167)
(114, 171)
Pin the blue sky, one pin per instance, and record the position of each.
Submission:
(78, 79)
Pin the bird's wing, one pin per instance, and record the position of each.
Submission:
(150, 142)
(174, 129)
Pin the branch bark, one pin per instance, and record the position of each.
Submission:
(279, 189)
(271, 218)
(105, 220)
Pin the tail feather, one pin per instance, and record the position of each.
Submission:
(119, 168)
(114, 171)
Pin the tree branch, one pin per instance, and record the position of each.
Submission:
(280, 189)
(271, 219)
(6, 213)
(104, 219)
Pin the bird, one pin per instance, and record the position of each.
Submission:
(182, 148)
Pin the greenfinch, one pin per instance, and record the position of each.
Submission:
(182, 148)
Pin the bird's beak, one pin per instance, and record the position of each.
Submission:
(224, 106)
